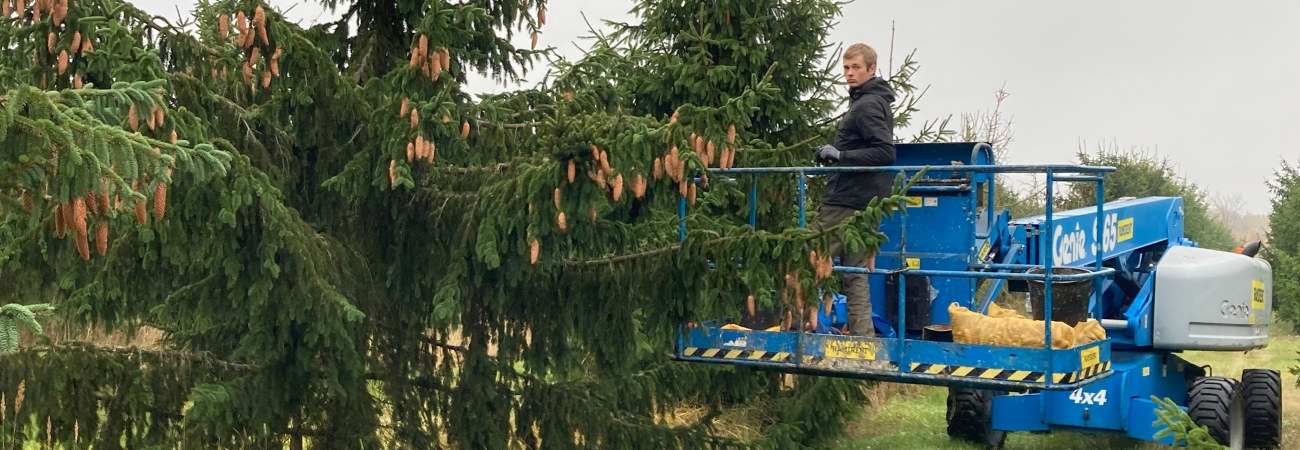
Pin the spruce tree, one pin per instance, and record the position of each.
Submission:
(345, 248)
(1283, 243)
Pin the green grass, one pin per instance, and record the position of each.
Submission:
(912, 417)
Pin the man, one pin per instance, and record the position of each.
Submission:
(865, 138)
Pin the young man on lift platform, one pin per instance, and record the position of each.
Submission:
(865, 138)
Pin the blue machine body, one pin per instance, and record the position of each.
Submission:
(954, 240)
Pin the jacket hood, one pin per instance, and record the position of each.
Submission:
(875, 86)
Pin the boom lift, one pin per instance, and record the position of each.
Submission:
(1124, 264)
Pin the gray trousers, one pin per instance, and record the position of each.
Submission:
(854, 285)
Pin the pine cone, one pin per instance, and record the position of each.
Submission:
(260, 17)
(658, 169)
(141, 212)
(464, 130)
(91, 200)
(573, 168)
(435, 67)
(248, 72)
(534, 249)
(638, 186)
(83, 247)
(101, 237)
(50, 41)
(618, 186)
(731, 134)
(63, 61)
(69, 217)
(557, 198)
(541, 16)
(79, 216)
(275, 62)
(564, 224)
(60, 12)
(249, 38)
(223, 26)
(160, 201)
(406, 107)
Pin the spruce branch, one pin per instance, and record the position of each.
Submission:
(365, 61)
(453, 170)
(801, 145)
(1173, 421)
(630, 257)
(130, 353)
(443, 344)
(510, 125)
(12, 315)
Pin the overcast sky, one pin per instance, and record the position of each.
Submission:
(1213, 85)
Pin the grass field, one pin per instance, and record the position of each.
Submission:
(912, 417)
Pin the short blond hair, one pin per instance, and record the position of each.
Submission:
(867, 53)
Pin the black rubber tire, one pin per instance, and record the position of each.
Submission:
(1261, 391)
(1209, 404)
(970, 417)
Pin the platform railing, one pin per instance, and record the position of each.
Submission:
(1054, 173)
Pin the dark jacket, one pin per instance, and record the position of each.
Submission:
(865, 138)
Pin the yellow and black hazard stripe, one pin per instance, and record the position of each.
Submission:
(1085, 373)
(753, 355)
(1009, 374)
(978, 372)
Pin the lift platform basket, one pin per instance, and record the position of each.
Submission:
(903, 360)
(1069, 298)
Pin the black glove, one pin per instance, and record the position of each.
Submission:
(828, 153)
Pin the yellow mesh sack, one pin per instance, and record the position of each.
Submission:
(1012, 330)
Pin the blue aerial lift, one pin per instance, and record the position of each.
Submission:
(1124, 263)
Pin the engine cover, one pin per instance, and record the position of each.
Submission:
(1211, 300)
